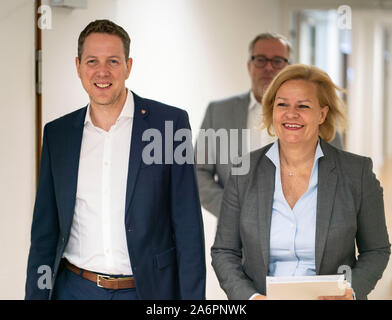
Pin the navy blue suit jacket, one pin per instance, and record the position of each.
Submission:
(163, 219)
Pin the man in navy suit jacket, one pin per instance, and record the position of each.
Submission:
(86, 243)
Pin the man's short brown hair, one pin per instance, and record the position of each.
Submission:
(104, 26)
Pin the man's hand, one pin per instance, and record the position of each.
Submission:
(260, 297)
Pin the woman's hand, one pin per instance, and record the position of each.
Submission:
(260, 297)
(347, 296)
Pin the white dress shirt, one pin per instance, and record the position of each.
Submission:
(97, 240)
(258, 138)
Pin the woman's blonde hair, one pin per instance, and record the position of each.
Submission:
(326, 93)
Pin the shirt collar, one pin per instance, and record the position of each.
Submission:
(253, 102)
(126, 112)
(273, 153)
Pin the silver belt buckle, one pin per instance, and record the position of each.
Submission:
(99, 277)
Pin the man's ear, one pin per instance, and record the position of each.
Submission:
(77, 63)
(129, 67)
(248, 67)
(323, 114)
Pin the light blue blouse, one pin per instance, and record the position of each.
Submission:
(293, 231)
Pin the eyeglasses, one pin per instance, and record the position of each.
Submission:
(276, 62)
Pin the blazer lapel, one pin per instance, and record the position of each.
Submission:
(135, 156)
(240, 118)
(265, 186)
(70, 163)
(327, 179)
(241, 111)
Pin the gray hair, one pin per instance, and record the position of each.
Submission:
(270, 35)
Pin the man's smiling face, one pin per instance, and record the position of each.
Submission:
(103, 68)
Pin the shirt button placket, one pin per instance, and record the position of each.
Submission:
(106, 225)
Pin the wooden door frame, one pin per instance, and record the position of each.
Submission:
(38, 94)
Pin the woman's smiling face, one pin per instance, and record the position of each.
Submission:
(297, 113)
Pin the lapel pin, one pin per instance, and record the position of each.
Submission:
(143, 111)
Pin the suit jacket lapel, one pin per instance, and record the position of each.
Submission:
(266, 186)
(327, 179)
(241, 111)
(139, 125)
(70, 163)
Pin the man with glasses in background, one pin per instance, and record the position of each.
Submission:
(269, 53)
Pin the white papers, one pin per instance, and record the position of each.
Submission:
(305, 287)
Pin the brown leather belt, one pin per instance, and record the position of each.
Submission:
(101, 280)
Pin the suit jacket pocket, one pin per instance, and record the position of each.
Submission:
(166, 258)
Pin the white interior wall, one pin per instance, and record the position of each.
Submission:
(334, 61)
(215, 36)
(17, 131)
(365, 91)
(186, 53)
(377, 107)
(364, 134)
(388, 86)
(62, 91)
